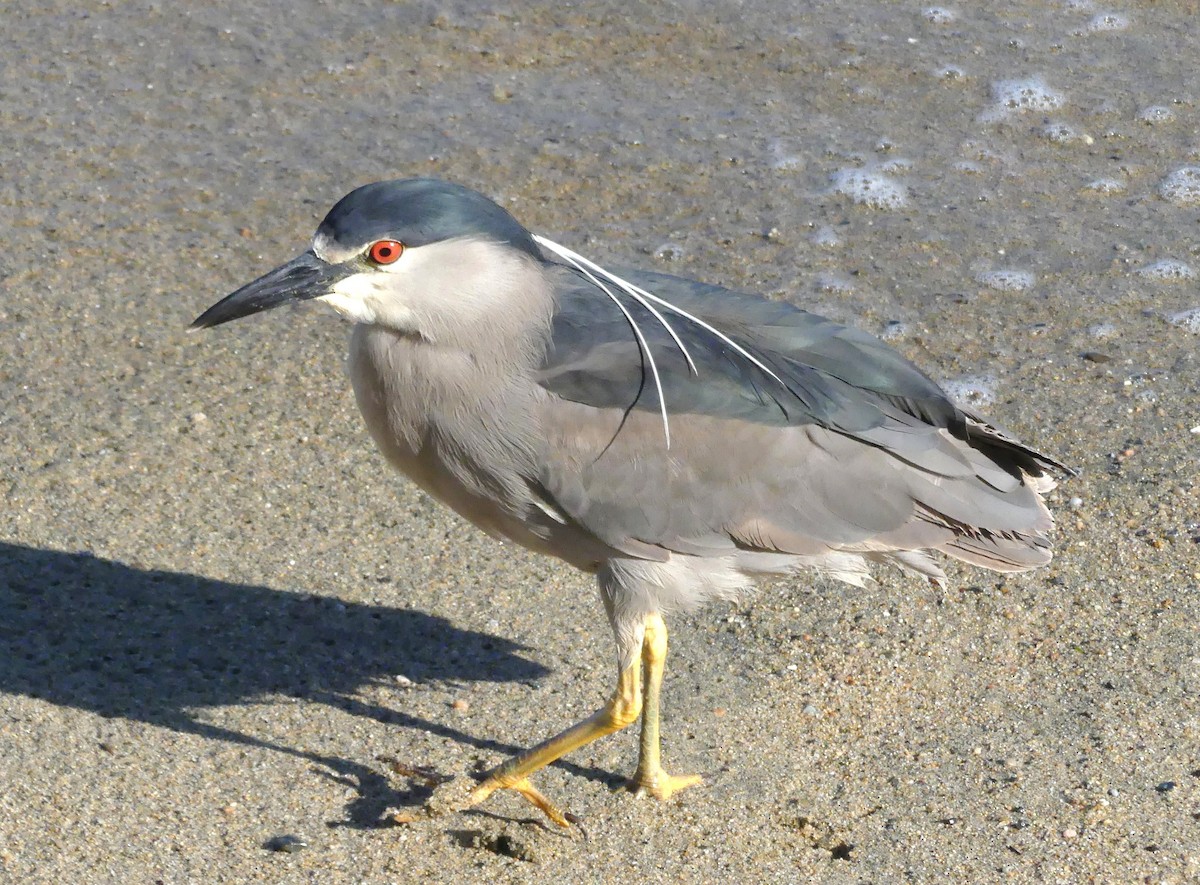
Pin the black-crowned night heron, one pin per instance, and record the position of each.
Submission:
(676, 439)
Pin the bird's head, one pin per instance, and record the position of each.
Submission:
(420, 256)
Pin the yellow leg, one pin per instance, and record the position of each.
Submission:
(621, 710)
(650, 777)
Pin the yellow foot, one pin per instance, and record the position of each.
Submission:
(659, 784)
(526, 789)
(454, 794)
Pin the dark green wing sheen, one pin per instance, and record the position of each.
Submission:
(831, 375)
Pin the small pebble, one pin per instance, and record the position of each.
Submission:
(1165, 786)
(287, 844)
(461, 705)
(1061, 133)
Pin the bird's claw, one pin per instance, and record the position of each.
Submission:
(659, 784)
(452, 794)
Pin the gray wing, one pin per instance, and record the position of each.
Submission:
(833, 375)
(848, 443)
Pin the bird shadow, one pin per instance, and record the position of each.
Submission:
(153, 646)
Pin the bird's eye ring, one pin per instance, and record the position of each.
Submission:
(386, 251)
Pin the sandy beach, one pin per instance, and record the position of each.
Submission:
(223, 622)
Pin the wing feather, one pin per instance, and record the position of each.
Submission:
(843, 445)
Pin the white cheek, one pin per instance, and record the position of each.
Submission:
(362, 298)
(350, 307)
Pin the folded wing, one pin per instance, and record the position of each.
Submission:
(842, 446)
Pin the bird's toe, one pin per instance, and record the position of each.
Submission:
(659, 784)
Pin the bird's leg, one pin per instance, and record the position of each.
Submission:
(650, 777)
(621, 710)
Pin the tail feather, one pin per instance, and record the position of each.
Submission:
(1018, 554)
(1006, 448)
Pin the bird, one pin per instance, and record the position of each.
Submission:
(678, 440)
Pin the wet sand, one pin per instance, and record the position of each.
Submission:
(220, 616)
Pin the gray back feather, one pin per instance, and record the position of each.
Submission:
(833, 376)
(848, 448)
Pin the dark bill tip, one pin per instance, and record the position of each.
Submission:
(302, 278)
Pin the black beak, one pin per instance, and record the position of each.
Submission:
(304, 277)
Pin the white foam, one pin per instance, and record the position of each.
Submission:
(1182, 187)
(1188, 319)
(826, 237)
(982, 151)
(869, 187)
(785, 156)
(1020, 96)
(790, 163)
(939, 15)
(1168, 269)
(972, 391)
(894, 164)
(1006, 280)
(835, 284)
(1107, 21)
(1061, 133)
(1155, 114)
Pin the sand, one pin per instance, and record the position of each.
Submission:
(221, 617)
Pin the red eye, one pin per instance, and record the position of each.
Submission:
(386, 251)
